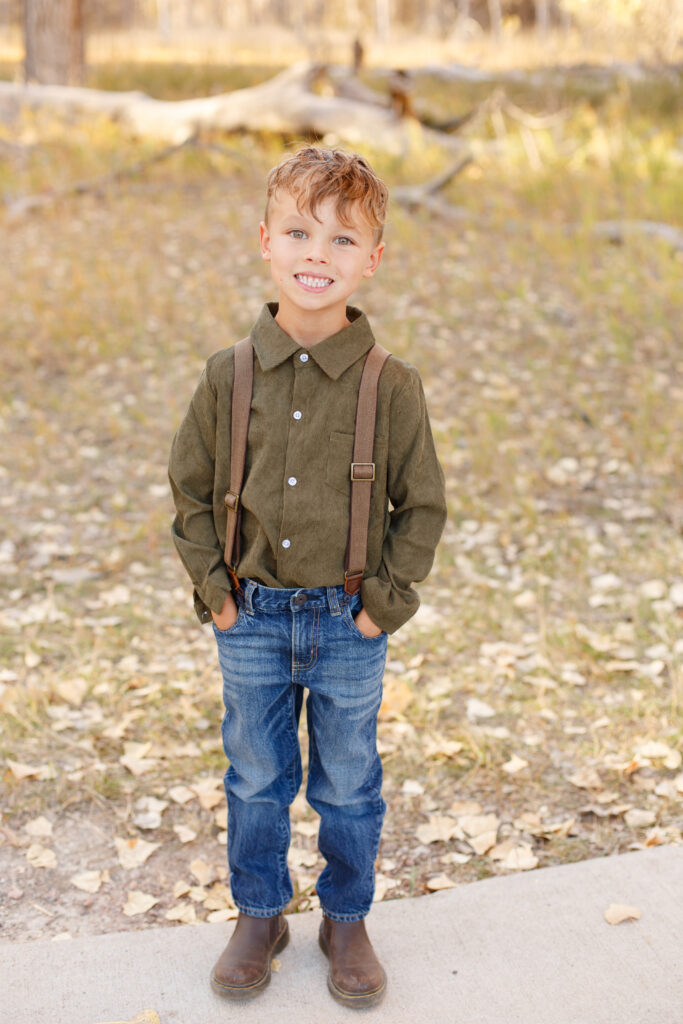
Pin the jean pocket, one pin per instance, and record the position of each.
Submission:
(347, 617)
(230, 629)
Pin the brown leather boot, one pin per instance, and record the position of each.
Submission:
(243, 968)
(356, 977)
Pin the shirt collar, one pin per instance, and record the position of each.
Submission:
(333, 355)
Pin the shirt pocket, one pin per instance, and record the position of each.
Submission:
(339, 456)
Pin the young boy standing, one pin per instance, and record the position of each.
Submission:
(294, 613)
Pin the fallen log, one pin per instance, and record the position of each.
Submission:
(285, 104)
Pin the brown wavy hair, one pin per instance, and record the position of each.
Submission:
(314, 174)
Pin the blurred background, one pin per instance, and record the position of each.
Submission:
(533, 152)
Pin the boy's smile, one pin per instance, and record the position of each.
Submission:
(317, 263)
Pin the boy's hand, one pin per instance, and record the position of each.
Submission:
(227, 615)
(365, 624)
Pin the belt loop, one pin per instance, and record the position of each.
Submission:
(248, 596)
(333, 601)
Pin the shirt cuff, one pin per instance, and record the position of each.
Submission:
(210, 597)
(388, 607)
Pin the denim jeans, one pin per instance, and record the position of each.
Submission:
(282, 641)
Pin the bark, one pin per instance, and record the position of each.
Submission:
(54, 42)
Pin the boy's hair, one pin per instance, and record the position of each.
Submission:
(313, 174)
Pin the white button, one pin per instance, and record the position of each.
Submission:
(292, 481)
(304, 357)
(297, 415)
(286, 543)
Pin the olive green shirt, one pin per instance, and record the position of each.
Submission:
(296, 490)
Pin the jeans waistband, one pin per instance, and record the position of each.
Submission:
(257, 597)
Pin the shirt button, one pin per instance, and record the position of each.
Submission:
(292, 481)
(297, 415)
(304, 357)
(286, 543)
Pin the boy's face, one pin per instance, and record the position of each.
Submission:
(316, 264)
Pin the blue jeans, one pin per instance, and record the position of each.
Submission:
(282, 641)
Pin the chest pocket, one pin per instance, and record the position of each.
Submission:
(339, 456)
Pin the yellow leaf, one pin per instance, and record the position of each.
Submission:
(203, 872)
(185, 834)
(134, 852)
(40, 856)
(181, 794)
(23, 771)
(88, 881)
(39, 827)
(138, 903)
(483, 842)
(439, 828)
(440, 882)
(475, 824)
(396, 697)
(618, 912)
(521, 858)
(184, 912)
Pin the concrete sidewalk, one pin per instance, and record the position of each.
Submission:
(531, 948)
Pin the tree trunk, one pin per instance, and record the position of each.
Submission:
(495, 18)
(542, 18)
(54, 42)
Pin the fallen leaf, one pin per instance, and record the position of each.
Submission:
(184, 912)
(216, 916)
(220, 818)
(514, 765)
(396, 698)
(618, 912)
(459, 807)
(439, 828)
(72, 691)
(520, 859)
(475, 824)
(478, 709)
(138, 903)
(23, 771)
(440, 882)
(89, 881)
(180, 888)
(637, 818)
(483, 842)
(181, 794)
(585, 778)
(203, 872)
(134, 852)
(302, 858)
(39, 827)
(185, 834)
(40, 856)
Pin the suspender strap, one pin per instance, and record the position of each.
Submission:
(241, 407)
(363, 469)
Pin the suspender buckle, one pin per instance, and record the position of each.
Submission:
(231, 500)
(352, 581)
(362, 472)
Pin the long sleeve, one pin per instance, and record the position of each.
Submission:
(191, 473)
(416, 490)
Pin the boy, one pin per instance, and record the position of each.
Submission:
(293, 619)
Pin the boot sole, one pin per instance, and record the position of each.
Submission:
(249, 991)
(357, 1001)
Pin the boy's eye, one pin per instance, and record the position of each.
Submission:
(297, 233)
(344, 240)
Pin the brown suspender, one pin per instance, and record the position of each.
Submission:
(362, 471)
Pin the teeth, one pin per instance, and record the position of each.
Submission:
(314, 282)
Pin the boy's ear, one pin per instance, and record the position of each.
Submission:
(264, 237)
(374, 260)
